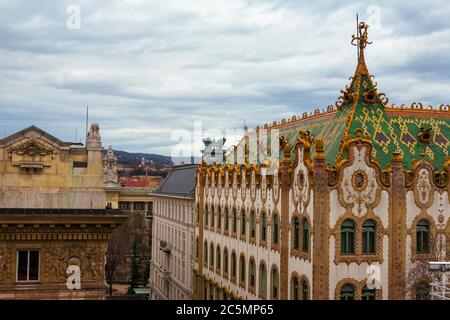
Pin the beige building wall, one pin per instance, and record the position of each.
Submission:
(172, 253)
(38, 170)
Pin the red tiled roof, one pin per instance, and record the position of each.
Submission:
(134, 183)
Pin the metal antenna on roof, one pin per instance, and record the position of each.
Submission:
(87, 120)
(357, 34)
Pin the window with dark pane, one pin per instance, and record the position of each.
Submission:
(305, 290)
(225, 261)
(369, 237)
(252, 278)
(242, 269)
(275, 229)
(219, 218)
(263, 226)
(262, 279)
(243, 222)
(233, 264)
(305, 237)
(348, 237)
(234, 220)
(253, 225)
(296, 235)
(347, 292)
(368, 294)
(295, 289)
(423, 237)
(227, 223)
(27, 265)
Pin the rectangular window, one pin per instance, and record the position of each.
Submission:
(149, 209)
(27, 265)
(80, 164)
(124, 205)
(139, 206)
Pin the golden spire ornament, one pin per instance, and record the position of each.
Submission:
(361, 41)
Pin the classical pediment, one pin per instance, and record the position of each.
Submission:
(36, 134)
(31, 147)
(31, 155)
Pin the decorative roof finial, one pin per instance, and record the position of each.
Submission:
(361, 41)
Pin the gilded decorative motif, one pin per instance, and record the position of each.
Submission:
(423, 188)
(359, 184)
(301, 182)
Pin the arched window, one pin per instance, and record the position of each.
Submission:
(219, 218)
(206, 215)
(252, 225)
(422, 291)
(348, 237)
(242, 269)
(212, 216)
(275, 224)
(369, 231)
(234, 220)
(295, 288)
(305, 236)
(262, 280)
(252, 273)
(263, 226)
(211, 255)
(275, 283)
(205, 253)
(368, 294)
(305, 290)
(423, 237)
(227, 222)
(347, 292)
(218, 260)
(225, 261)
(233, 264)
(243, 222)
(296, 235)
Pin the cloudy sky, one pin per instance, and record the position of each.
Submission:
(151, 71)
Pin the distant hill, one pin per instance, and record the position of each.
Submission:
(134, 158)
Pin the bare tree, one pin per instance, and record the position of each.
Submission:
(419, 275)
(117, 251)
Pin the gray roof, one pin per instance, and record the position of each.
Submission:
(181, 181)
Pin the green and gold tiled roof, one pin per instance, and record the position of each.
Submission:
(390, 129)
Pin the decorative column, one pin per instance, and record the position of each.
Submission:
(285, 179)
(199, 284)
(397, 237)
(321, 226)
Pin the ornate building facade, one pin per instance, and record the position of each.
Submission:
(172, 266)
(359, 197)
(53, 217)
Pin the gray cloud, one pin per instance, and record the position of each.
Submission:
(147, 68)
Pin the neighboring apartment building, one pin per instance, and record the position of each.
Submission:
(360, 197)
(52, 216)
(171, 272)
